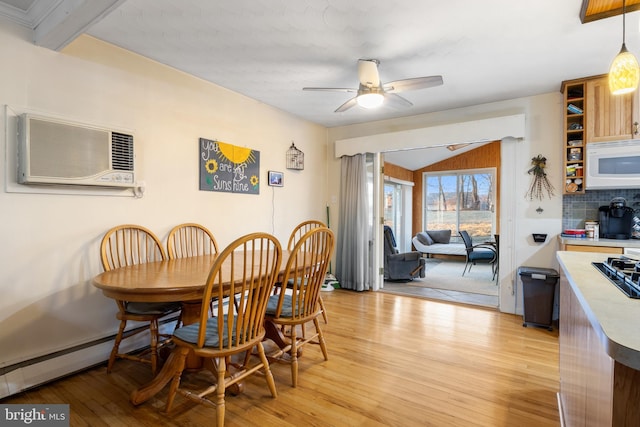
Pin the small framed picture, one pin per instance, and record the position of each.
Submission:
(276, 179)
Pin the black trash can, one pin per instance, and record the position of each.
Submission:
(538, 290)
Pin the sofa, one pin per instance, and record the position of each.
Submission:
(437, 242)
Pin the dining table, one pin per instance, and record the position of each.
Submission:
(176, 280)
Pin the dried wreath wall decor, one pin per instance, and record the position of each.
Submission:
(540, 182)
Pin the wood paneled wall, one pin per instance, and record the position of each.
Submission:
(398, 172)
(486, 156)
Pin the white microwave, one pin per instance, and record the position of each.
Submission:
(613, 165)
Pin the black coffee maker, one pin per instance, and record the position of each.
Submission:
(616, 219)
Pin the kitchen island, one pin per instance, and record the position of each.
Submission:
(599, 347)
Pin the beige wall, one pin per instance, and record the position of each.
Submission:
(50, 242)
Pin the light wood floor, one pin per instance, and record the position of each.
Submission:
(393, 361)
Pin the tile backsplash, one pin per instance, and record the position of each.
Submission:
(577, 208)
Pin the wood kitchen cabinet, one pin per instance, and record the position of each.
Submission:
(607, 246)
(592, 114)
(585, 248)
(574, 122)
(608, 117)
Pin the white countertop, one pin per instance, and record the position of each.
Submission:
(616, 243)
(614, 317)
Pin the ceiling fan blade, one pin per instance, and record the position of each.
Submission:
(368, 72)
(412, 84)
(331, 89)
(396, 100)
(350, 103)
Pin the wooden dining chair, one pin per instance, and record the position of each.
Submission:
(248, 267)
(297, 233)
(190, 239)
(305, 270)
(129, 245)
(300, 230)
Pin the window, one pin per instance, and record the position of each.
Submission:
(460, 200)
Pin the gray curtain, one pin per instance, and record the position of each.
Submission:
(352, 248)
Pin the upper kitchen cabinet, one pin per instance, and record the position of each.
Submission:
(592, 114)
(608, 117)
(574, 136)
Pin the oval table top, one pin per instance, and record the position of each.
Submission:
(161, 281)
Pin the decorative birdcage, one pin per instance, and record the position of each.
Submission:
(295, 158)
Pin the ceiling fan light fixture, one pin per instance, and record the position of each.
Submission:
(454, 147)
(372, 93)
(370, 100)
(624, 72)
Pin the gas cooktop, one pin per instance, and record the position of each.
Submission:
(623, 272)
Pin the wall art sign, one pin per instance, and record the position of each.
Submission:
(228, 168)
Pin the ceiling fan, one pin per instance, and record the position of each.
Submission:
(372, 92)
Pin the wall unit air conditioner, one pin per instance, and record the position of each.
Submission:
(52, 151)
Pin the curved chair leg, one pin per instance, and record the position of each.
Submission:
(323, 344)
(116, 346)
(324, 311)
(267, 370)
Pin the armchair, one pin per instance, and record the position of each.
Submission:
(400, 266)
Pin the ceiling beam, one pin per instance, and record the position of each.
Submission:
(594, 10)
(31, 16)
(69, 19)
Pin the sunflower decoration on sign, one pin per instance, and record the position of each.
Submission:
(540, 183)
(211, 166)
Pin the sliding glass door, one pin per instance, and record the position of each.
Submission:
(392, 201)
(397, 205)
(461, 200)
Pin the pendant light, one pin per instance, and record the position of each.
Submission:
(624, 72)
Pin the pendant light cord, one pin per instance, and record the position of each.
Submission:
(624, 32)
